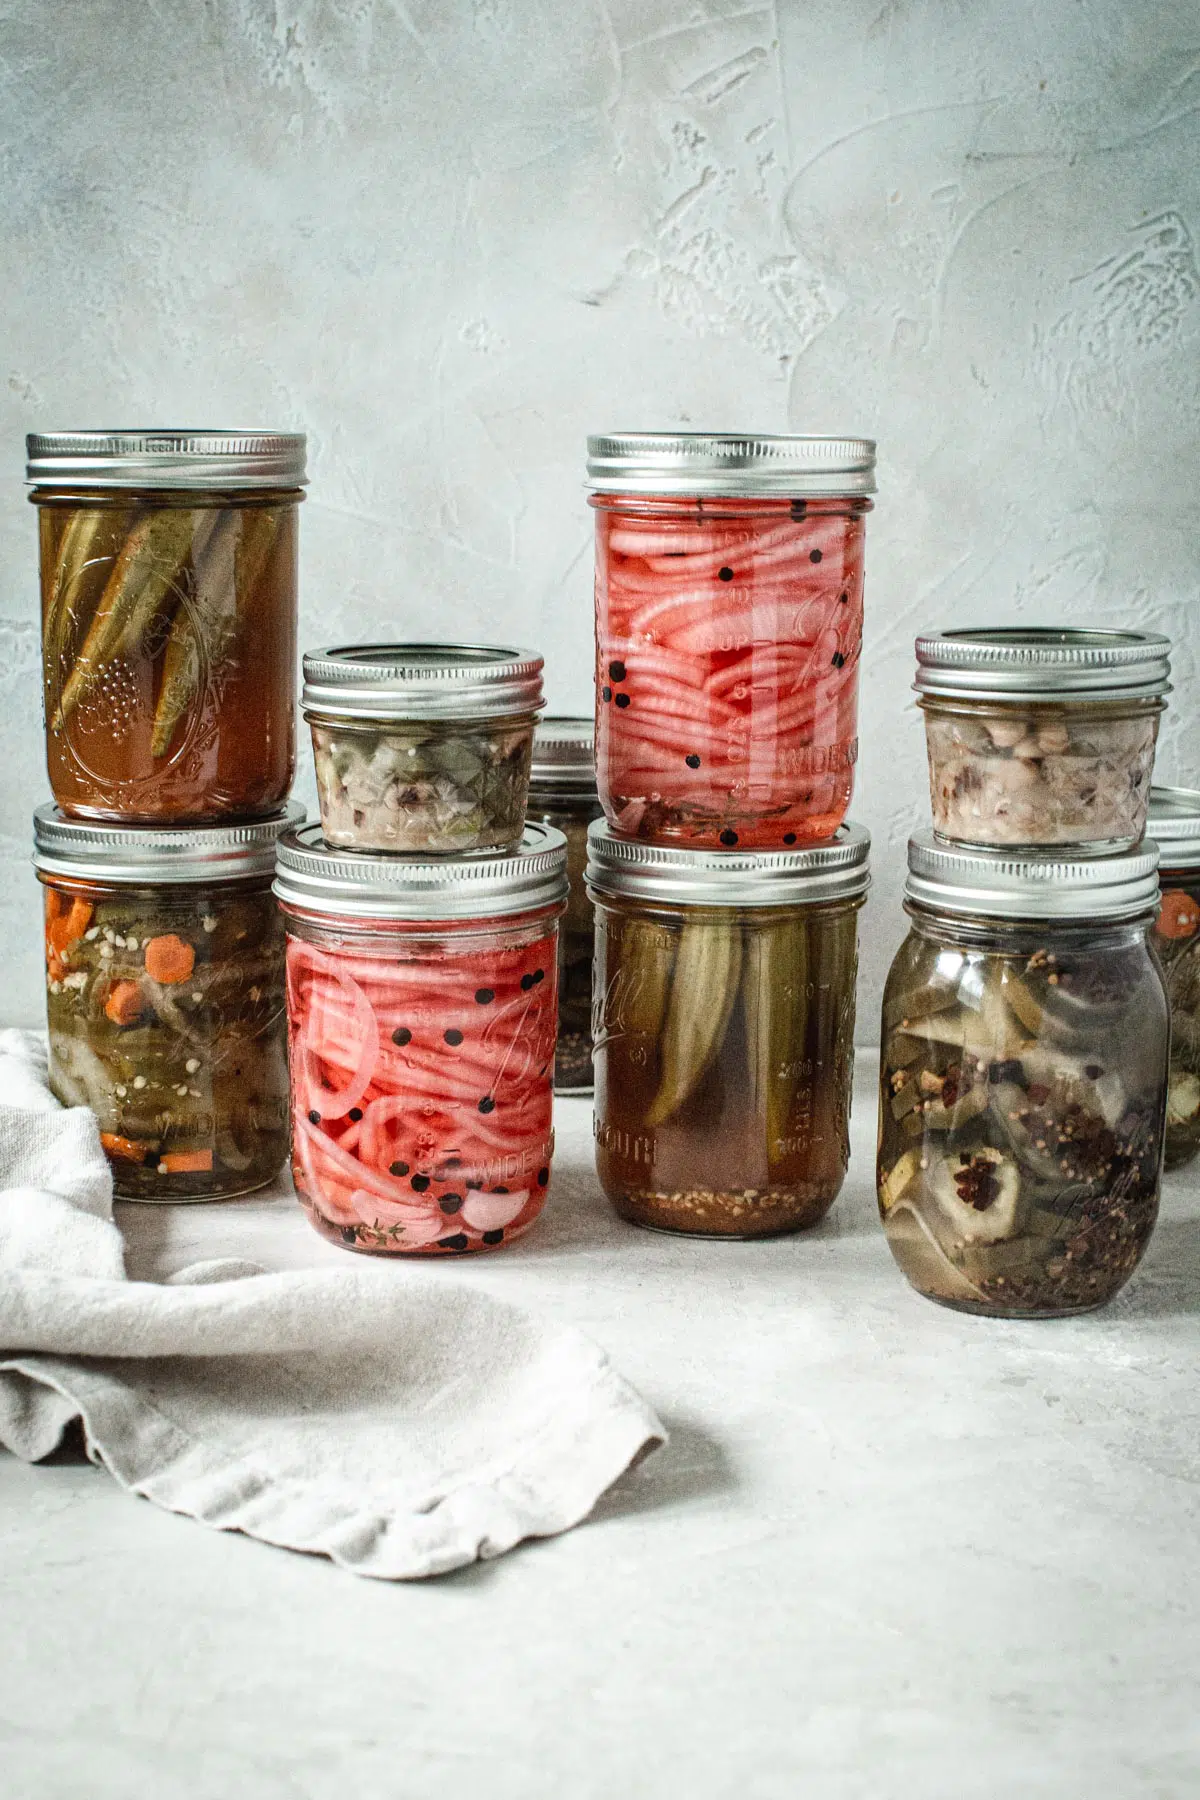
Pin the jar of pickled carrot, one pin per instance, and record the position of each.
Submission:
(729, 596)
(421, 1016)
(168, 575)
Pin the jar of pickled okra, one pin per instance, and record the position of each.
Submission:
(562, 793)
(421, 1013)
(724, 1030)
(168, 575)
(165, 998)
(729, 595)
(1041, 737)
(422, 748)
(1175, 828)
(1023, 1078)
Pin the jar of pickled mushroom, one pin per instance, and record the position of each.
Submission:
(165, 999)
(1175, 828)
(421, 1015)
(1041, 737)
(422, 748)
(562, 793)
(729, 594)
(1023, 1078)
(168, 574)
(724, 1030)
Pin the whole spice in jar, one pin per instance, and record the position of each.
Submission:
(1175, 827)
(562, 793)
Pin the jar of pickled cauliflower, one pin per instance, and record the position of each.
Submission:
(1040, 737)
(164, 996)
(1023, 1078)
(729, 595)
(724, 1031)
(1175, 828)
(562, 793)
(421, 1017)
(168, 577)
(422, 748)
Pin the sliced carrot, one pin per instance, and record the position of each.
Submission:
(1178, 915)
(78, 919)
(124, 1003)
(56, 968)
(56, 904)
(64, 929)
(185, 1162)
(169, 959)
(123, 1148)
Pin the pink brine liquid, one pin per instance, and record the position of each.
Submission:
(422, 1090)
(728, 638)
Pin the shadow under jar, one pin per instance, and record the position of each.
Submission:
(724, 1031)
(168, 578)
(729, 596)
(1040, 738)
(421, 1016)
(165, 999)
(562, 793)
(422, 748)
(1175, 827)
(1023, 1079)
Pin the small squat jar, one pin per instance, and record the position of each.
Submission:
(168, 576)
(562, 793)
(1175, 827)
(724, 1031)
(164, 994)
(1023, 1079)
(1041, 738)
(729, 597)
(422, 748)
(421, 1017)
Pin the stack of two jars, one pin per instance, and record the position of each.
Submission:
(725, 880)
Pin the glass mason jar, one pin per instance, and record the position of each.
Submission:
(168, 574)
(729, 595)
(1023, 1078)
(421, 1016)
(562, 793)
(724, 1031)
(422, 748)
(165, 1001)
(1040, 738)
(1175, 827)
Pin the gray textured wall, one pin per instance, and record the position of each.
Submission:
(449, 237)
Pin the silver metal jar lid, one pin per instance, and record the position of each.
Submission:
(730, 463)
(564, 758)
(1041, 663)
(359, 884)
(421, 681)
(1174, 824)
(836, 870)
(1006, 884)
(211, 460)
(147, 855)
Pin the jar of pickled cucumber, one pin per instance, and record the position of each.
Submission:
(421, 1013)
(562, 793)
(729, 597)
(1023, 1078)
(1175, 827)
(168, 577)
(165, 999)
(724, 1030)
(1041, 737)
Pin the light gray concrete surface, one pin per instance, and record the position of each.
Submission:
(891, 1553)
(450, 237)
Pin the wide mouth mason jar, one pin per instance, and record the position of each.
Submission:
(1039, 737)
(1023, 1078)
(168, 579)
(423, 748)
(165, 999)
(724, 1031)
(562, 793)
(421, 1017)
(729, 595)
(1175, 825)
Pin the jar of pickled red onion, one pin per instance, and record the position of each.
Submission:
(729, 596)
(422, 1001)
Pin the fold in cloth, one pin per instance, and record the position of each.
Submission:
(380, 1416)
